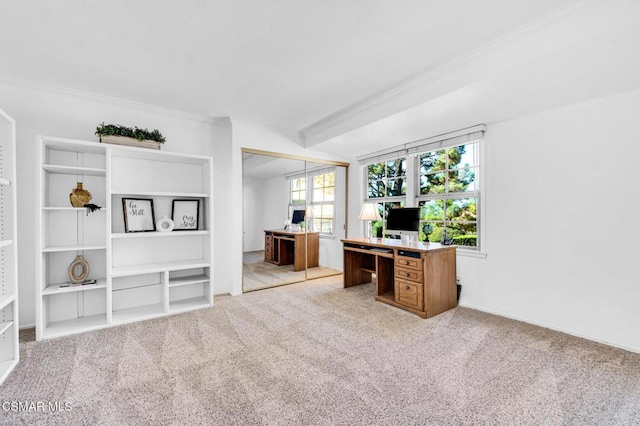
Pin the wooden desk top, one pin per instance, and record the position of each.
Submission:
(391, 243)
(288, 232)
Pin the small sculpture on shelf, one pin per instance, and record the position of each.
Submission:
(81, 275)
(165, 224)
(79, 196)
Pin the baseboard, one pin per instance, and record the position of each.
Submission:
(550, 327)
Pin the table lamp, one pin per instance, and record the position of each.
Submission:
(369, 212)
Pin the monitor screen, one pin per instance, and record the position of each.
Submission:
(404, 221)
(298, 216)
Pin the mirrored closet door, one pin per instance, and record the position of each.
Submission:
(294, 215)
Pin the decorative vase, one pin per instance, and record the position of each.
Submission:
(76, 277)
(165, 224)
(79, 196)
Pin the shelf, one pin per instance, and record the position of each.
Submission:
(5, 182)
(138, 313)
(79, 247)
(188, 304)
(6, 299)
(73, 145)
(72, 170)
(193, 279)
(55, 288)
(4, 326)
(158, 234)
(70, 209)
(157, 155)
(387, 296)
(149, 268)
(75, 325)
(6, 243)
(160, 194)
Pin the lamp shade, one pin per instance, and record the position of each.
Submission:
(369, 211)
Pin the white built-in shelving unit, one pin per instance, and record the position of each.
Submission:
(139, 275)
(9, 351)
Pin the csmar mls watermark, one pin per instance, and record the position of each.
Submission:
(36, 406)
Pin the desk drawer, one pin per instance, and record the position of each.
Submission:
(409, 274)
(409, 262)
(409, 294)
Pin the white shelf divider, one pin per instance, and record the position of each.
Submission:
(5, 243)
(52, 289)
(5, 182)
(6, 299)
(149, 268)
(145, 193)
(158, 234)
(71, 170)
(75, 325)
(191, 304)
(4, 326)
(193, 279)
(138, 313)
(78, 247)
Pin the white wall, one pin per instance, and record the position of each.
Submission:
(252, 217)
(561, 198)
(72, 115)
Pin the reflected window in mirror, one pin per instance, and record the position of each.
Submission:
(322, 202)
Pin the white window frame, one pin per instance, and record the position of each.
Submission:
(413, 197)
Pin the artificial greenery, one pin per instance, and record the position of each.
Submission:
(136, 133)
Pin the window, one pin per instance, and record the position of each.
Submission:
(448, 194)
(388, 178)
(320, 212)
(387, 184)
(440, 175)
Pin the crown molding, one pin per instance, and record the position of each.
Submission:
(112, 100)
(411, 83)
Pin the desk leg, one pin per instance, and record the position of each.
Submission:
(353, 273)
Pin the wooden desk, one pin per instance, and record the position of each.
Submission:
(417, 277)
(286, 248)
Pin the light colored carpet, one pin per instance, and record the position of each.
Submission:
(258, 274)
(317, 354)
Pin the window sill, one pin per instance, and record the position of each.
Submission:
(471, 253)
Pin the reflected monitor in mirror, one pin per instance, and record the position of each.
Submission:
(298, 216)
(403, 222)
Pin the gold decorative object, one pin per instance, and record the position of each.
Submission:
(79, 262)
(79, 196)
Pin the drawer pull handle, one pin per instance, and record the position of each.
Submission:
(406, 287)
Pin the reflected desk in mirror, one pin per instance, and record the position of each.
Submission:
(286, 248)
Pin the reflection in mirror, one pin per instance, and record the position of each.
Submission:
(326, 185)
(293, 220)
(270, 234)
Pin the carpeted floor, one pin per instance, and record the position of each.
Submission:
(314, 353)
(258, 274)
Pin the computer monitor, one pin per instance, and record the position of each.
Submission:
(298, 216)
(403, 222)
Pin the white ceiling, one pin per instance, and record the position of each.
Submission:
(351, 76)
(286, 63)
